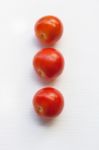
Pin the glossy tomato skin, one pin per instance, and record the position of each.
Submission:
(48, 63)
(48, 30)
(48, 102)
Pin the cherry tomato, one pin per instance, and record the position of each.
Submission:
(48, 102)
(48, 63)
(48, 30)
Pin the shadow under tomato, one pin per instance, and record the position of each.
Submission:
(40, 45)
(42, 121)
(36, 42)
(40, 81)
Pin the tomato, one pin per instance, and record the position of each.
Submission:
(48, 63)
(48, 30)
(48, 102)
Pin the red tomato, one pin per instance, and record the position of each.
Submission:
(48, 102)
(48, 29)
(48, 63)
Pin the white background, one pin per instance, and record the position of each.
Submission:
(77, 128)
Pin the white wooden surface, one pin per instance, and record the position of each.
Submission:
(77, 128)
